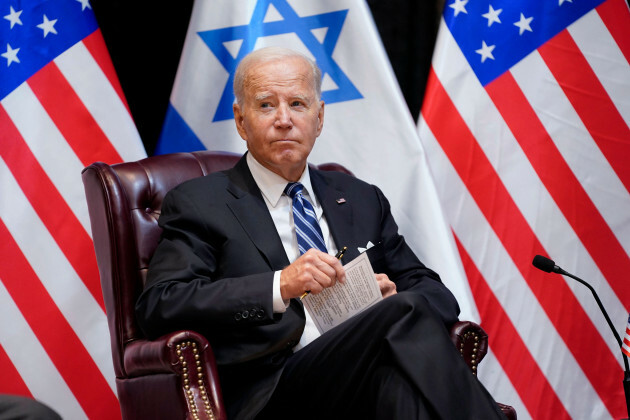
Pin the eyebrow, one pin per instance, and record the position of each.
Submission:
(263, 96)
(302, 98)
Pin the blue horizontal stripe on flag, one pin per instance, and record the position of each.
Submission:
(177, 136)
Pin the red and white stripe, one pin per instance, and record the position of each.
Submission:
(54, 340)
(536, 162)
(625, 347)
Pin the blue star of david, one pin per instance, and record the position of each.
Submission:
(292, 23)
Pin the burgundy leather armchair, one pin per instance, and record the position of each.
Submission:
(174, 376)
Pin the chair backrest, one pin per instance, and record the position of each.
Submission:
(124, 202)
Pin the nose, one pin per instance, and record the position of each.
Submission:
(283, 117)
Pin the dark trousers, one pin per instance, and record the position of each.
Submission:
(13, 407)
(393, 361)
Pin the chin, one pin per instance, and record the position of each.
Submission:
(290, 155)
(289, 162)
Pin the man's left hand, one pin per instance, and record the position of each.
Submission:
(388, 287)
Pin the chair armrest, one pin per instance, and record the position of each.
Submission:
(471, 341)
(187, 355)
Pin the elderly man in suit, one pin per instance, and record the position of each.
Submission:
(231, 266)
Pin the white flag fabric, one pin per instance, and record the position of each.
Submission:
(61, 108)
(526, 125)
(367, 126)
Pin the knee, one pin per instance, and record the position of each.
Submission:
(410, 306)
(407, 302)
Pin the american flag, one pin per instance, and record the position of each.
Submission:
(526, 127)
(61, 108)
(625, 346)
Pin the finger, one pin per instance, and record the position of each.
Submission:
(335, 263)
(320, 267)
(387, 291)
(314, 263)
(381, 276)
(315, 288)
(386, 286)
(328, 264)
(325, 275)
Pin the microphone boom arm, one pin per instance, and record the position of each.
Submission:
(547, 265)
(601, 307)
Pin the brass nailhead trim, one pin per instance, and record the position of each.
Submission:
(473, 359)
(200, 381)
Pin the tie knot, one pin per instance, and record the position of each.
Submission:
(293, 188)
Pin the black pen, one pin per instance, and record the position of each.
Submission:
(338, 256)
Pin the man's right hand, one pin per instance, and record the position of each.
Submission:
(313, 271)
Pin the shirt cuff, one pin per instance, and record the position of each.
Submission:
(279, 305)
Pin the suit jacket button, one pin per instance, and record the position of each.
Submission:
(260, 314)
(238, 316)
(245, 314)
(253, 312)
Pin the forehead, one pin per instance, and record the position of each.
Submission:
(289, 76)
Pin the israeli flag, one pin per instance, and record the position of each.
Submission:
(368, 127)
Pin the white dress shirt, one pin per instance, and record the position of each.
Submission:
(280, 207)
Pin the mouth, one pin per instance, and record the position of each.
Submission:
(285, 141)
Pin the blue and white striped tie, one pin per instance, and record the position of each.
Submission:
(309, 234)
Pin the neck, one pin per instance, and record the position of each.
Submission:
(292, 175)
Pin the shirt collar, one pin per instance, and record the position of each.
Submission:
(272, 185)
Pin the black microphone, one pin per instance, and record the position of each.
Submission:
(548, 266)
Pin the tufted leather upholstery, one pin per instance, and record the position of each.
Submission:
(174, 376)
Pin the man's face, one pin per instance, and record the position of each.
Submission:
(281, 116)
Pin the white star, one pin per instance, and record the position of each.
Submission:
(492, 15)
(485, 51)
(562, 1)
(14, 17)
(523, 24)
(459, 6)
(48, 26)
(11, 55)
(85, 3)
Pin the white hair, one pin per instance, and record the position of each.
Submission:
(265, 55)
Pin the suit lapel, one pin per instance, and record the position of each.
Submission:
(337, 210)
(250, 210)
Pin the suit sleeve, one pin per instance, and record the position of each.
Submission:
(408, 272)
(183, 289)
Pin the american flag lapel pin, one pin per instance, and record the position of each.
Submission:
(341, 200)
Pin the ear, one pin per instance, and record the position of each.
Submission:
(239, 120)
(320, 118)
